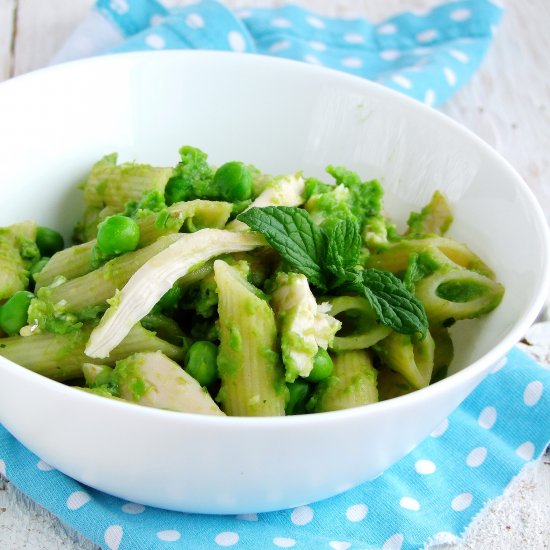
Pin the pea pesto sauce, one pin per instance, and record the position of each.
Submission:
(224, 290)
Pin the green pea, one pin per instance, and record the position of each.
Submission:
(201, 362)
(233, 181)
(117, 234)
(165, 327)
(38, 266)
(298, 393)
(177, 189)
(13, 314)
(169, 300)
(49, 241)
(322, 366)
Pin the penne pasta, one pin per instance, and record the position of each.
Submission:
(252, 380)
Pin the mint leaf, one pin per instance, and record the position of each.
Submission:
(294, 235)
(330, 256)
(343, 244)
(420, 265)
(393, 304)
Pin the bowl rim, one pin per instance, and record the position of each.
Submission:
(471, 371)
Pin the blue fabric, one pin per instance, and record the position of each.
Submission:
(438, 488)
(428, 56)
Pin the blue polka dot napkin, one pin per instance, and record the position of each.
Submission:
(426, 55)
(430, 495)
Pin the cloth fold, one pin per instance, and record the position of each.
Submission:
(431, 494)
(428, 55)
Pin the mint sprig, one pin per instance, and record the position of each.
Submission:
(395, 306)
(292, 233)
(329, 258)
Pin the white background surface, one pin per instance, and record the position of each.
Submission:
(507, 103)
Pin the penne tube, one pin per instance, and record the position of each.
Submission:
(410, 356)
(98, 286)
(352, 383)
(452, 295)
(109, 184)
(252, 379)
(364, 332)
(75, 261)
(61, 356)
(395, 258)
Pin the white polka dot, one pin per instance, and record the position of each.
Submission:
(227, 538)
(461, 502)
(318, 46)
(352, 62)
(156, 20)
(387, 28)
(421, 51)
(532, 393)
(2, 468)
(284, 542)
(339, 544)
(461, 14)
(44, 466)
(476, 457)
(409, 503)
(155, 41)
(425, 467)
(78, 499)
(133, 508)
(441, 429)
(526, 450)
(243, 14)
(279, 46)
(312, 59)
(236, 41)
(315, 22)
(394, 542)
(248, 517)
(354, 38)
(113, 536)
(450, 76)
(357, 512)
(170, 535)
(119, 6)
(390, 55)
(460, 56)
(402, 81)
(487, 418)
(194, 21)
(281, 23)
(427, 35)
(499, 364)
(466, 41)
(301, 515)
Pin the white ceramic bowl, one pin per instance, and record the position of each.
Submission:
(281, 116)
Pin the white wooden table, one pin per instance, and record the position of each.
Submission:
(507, 104)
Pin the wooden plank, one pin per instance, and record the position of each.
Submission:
(507, 102)
(7, 36)
(42, 27)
